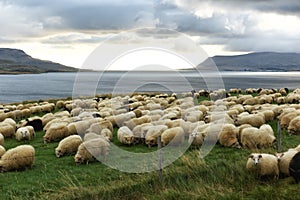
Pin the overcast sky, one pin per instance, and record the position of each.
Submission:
(67, 31)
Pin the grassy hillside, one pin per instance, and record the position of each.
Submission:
(220, 175)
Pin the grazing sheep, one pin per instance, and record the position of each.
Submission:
(68, 145)
(255, 120)
(287, 118)
(197, 136)
(153, 133)
(253, 138)
(173, 135)
(137, 121)
(125, 135)
(294, 167)
(229, 136)
(91, 150)
(7, 130)
(1, 139)
(284, 160)
(2, 151)
(18, 158)
(91, 135)
(140, 131)
(79, 127)
(264, 165)
(10, 122)
(294, 126)
(25, 133)
(56, 132)
(107, 134)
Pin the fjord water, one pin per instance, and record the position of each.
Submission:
(18, 88)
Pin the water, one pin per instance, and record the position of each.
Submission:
(18, 88)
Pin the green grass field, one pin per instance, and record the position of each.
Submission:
(220, 175)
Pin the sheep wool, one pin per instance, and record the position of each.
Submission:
(263, 165)
(294, 167)
(56, 132)
(91, 150)
(284, 160)
(228, 136)
(2, 151)
(294, 126)
(173, 135)
(1, 139)
(18, 158)
(7, 130)
(125, 135)
(25, 133)
(153, 133)
(68, 145)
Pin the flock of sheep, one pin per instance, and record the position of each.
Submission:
(85, 127)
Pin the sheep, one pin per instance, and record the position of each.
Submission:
(79, 127)
(99, 126)
(2, 151)
(258, 138)
(294, 126)
(35, 122)
(175, 136)
(18, 158)
(10, 122)
(255, 120)
(284, 160)
(91, 135)
(25, 133)
(68, 145)
(125, 135)
(107, 134)
(91, 150)
(229, 136)
(263, 165)
(1, 139)
(7, 130)
(197, 136)
(139, 132)
(153, 133)
(287, 118)
(294, 167)
(56, 132)
(297, 148)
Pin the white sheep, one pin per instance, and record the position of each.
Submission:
(294, 126)
(255, 120)
(68, 145)
(18, 158)
(173, 135)
(2, 151)
(7, 130)
(25, 133)
(263, 165)
(229, 136)
(91, 150)
(284, 160)
(1, 139)
(125, 135)
(153, 133)
(253, 138)
(91, 135)
(56, 132)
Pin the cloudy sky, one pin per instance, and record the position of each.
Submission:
(67, 31)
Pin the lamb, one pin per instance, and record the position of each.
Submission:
(229, 136)
(25, 133)
(294, 126)
(56, 132)
(175, 136)
(1, 139)
(18, 158)
(284, 160)
(68, 145)
(2, 151)
(294, 167)
(264, 165)
(125, 135)
(91, 150)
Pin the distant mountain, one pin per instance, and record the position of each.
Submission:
(261, 61)
(15, 61)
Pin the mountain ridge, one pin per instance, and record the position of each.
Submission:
(16, 61)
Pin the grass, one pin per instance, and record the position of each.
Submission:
(220, 175)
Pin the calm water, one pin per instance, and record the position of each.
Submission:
(17, 88)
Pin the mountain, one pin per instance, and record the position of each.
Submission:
(260, 61)
(15, 61)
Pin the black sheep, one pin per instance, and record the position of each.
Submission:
(294, 167)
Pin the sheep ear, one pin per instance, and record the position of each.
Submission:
(260, 156)
(251, 156)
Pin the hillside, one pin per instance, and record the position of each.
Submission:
(262, 61)
(15, 61)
